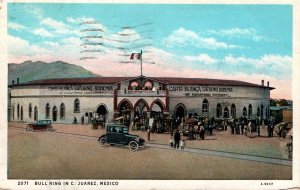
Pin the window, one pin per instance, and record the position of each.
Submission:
(233, 111)
(18, 111)
(226, 112)
(258, 112)
(205, 106)
(47, 112)
(245, 112)
(76, 106)
(62, 111)
(21, 113)
(35, 113)
(30, 110)
(13, 112)
(250, 110)
(219, 110)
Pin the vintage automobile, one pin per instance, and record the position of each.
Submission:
(282, 129)
(117, 134)
(40, 125)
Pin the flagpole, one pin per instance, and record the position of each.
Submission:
(141, 63)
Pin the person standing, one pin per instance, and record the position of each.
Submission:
(82, 120)
(182, 144)
(176, 139)
(202, 132)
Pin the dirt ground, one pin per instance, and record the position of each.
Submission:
(40, 155)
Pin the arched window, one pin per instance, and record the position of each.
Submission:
(205, 106)
(226, 112)
(233, 111)
(62, 111)
(35, 113)
(47, 111)
(148, 85)
(250, 110)
(76, 106)
(30, 110)
(13, 112)
(54, 113)
(134, 85)
(18, 111)
(245, 112)
(21, 113)
(258, 112)
(262, 111)
(219, 110)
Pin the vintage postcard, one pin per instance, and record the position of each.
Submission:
(149, 95)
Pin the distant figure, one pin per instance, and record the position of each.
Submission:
(82, 120)
(176, 139)
(75, 120)
(171, 142)
(202, 132)
(148, 133)
(182, 144)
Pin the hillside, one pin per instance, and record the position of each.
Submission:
(28, 71)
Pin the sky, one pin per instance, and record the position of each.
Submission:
(238, 42)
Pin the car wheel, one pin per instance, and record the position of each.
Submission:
(103, 141)
(133, 145)
(30, 129)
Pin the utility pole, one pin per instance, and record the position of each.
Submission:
(141, 58)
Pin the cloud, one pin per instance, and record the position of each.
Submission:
(246, 33)
(182, 37)
(16, 26)
(59, 27)
(269, 60)
(35, 11)
(42, 32)
(202, 58)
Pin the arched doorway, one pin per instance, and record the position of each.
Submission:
(54, 113)
(219, 110)
(180, 111)
(233, 111)
(102, 112)
(141, 107)
(226, 112)
(35, 113)
(125, 107)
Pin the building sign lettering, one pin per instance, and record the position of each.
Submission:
(200, 89)
(81, 89)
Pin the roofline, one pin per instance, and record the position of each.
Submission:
(158, 79)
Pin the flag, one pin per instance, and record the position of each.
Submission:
(136, 56)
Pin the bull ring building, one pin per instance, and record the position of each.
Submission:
(62, 100)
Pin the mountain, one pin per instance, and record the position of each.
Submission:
(28, 71)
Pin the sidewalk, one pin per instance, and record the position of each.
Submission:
(220, 141)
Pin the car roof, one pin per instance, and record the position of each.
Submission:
(115, 125)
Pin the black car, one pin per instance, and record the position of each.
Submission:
(44, 125)
(118, 134)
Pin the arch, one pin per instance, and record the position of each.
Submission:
(141, 106)
(205, 106)
(226, 112)
(62, 111)
(180, 110)
(76, 106)
(47, 110)
(18, 111)
(159, 103)
(233, 111)
(245, 112)
(54, 113)
(250, 110)
(21, 113)
(258, 112)
(102, 109)
(35, 114)
(125, 105)
(30, 110)
(148, 85)
(267, 113)
(219, 110)
(134, 85)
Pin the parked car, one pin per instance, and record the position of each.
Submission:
(282, 129)
(40, 125)
(118, 134)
